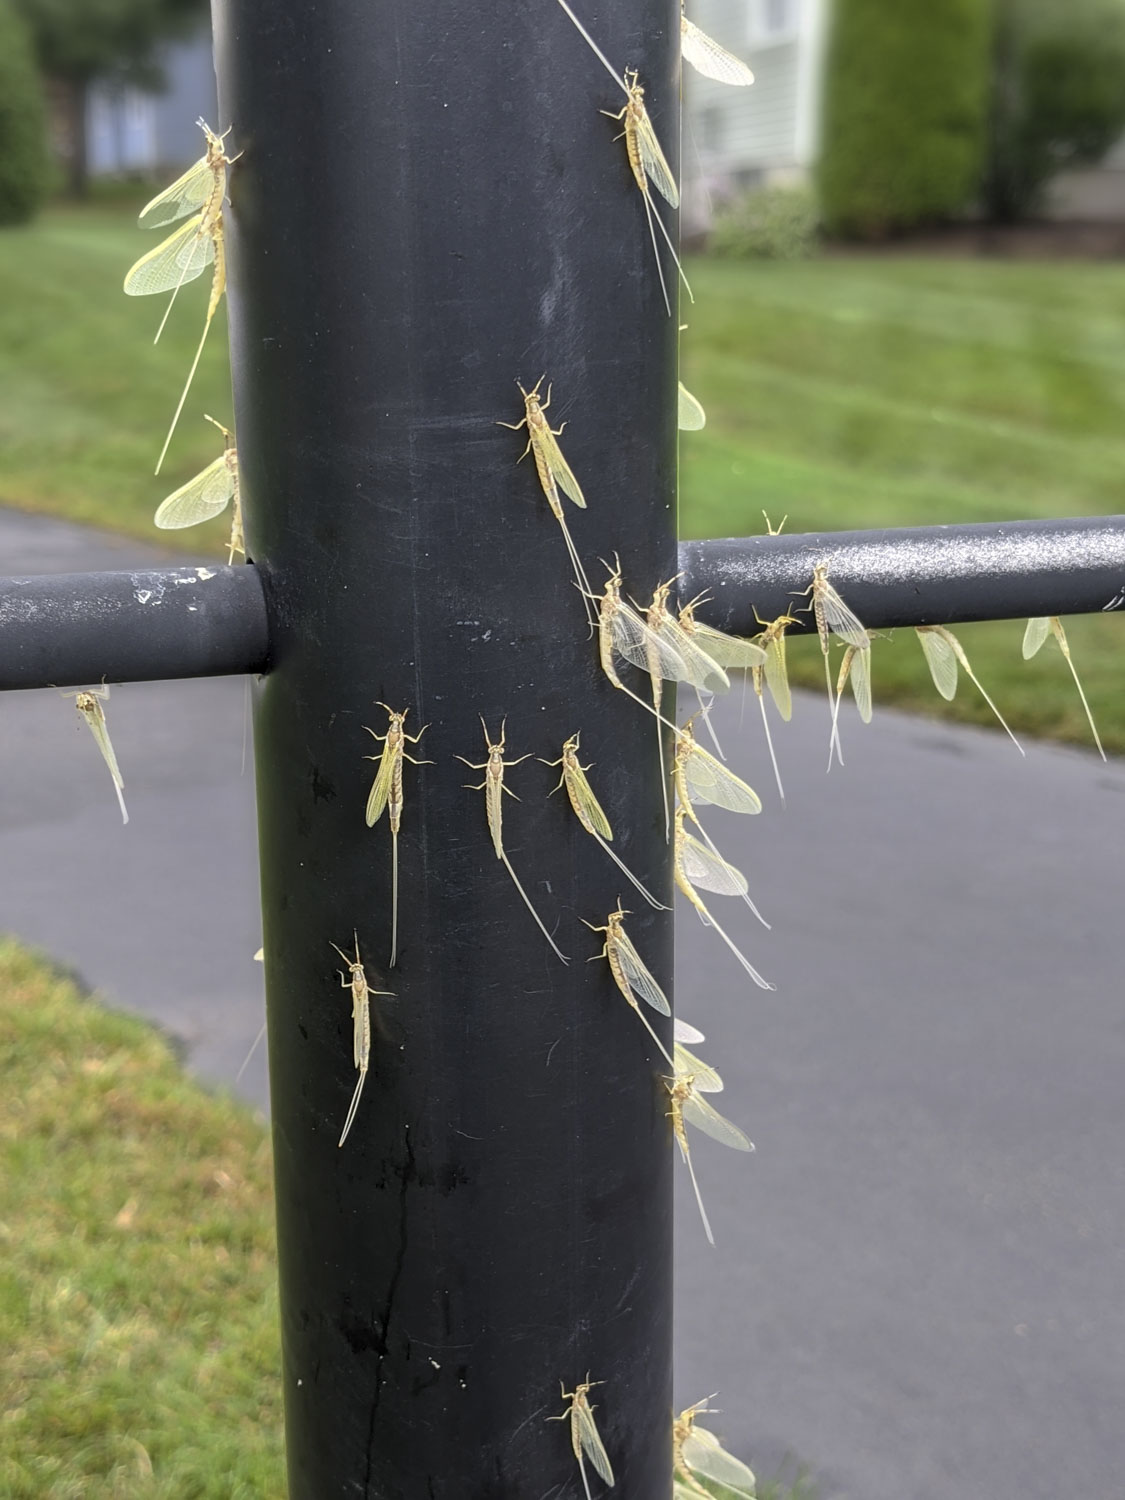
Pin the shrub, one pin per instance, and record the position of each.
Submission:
(904, 113)
(772, 223)
(23, 129)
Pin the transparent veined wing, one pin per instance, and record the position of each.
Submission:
(207, 495)
(683, 1031)
(657, 170)
(730, 651)
(183, 256)
(708, 58)
(640, 980)
(703, 1075)
(840, 619)
(591, 1443)
(708, 780)
(692, 417)
(700, 1114)
(633, 640)
(188, 193)
(860, 674)
(703, 671)
(591, 809)
(381, 788)
(1034, 636)
(709, 871)
(777, 677)
(558, 466)
(941, 660)
(704, 1454)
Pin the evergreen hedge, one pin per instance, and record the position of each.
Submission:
(905, 113)
(23, 123)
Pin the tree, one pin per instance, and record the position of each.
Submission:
(1058, 96)
(905, 113)
(77, 41)
(23, 127)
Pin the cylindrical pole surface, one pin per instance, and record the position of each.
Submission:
(429, 207)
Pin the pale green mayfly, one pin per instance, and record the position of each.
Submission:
(207, 495)
(1033, 637)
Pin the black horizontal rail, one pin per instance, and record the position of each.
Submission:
(922, 575)
(63, 629)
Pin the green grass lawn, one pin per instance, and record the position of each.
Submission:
(847, 392)
(138, 1306)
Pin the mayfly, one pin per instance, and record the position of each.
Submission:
(630, 974)
(774, 674)
(1034, 636)
(386, 792)
(695, 865)
(707, 1080)
(690, 414)
(89, 702)
(855, 667)
(554, 474)
(646, 158)
(688, 1105)
(493, 788)
(189, 250)
(207, 495)
(667, 643)
(356, 981)
(584, 1438)
(833, 617)
(621, 629)
(943, 651)
(696, 1451)
(708, 58)
(588, 810)
(731, 652)
(699, 777)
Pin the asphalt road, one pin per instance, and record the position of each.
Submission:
(918, 1285)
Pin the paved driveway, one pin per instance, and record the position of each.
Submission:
(919, 1285)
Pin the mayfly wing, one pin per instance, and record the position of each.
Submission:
(698, 668)
(381, 786)
(640, 980)
(704, 1454)
(586, 805)
(684, 1031)
(187, 194)
(1034, 636)
(861, 682)
(183, 256)
(590, 1441)
(730, 651)
(839, 618)
(699, 1113)
(89, 706)
(708, 870)
(657, 170)
(708, 780)
(558, 466)
(703, 1075)
(640, 646)
(691, 416)
(708, 58)
(207, 495)
(940, 658)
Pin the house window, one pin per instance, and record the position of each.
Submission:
(776, 19)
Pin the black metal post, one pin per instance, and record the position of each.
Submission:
(429, 205)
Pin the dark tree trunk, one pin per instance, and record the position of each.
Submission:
(67, 97)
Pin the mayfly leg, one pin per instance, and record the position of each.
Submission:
(493, 788)
(386, 792)
(554, 473)
(588, 810)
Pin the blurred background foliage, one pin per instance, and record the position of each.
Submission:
(24, 174)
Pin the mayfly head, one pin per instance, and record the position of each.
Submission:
(228, 435)
(633, 88)
(531, 397)
(687, 611)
